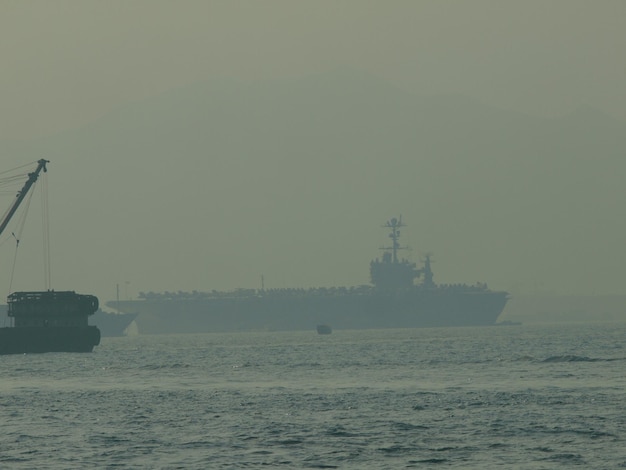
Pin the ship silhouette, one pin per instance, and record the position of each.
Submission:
(401, 295)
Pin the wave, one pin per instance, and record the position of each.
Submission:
(574, 358)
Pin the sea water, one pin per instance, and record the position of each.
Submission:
(492, 397)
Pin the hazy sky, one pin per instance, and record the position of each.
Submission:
(155, 213)
(67, 62)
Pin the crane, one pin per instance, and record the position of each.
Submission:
(32, 177)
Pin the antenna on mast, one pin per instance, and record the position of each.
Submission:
(395, 224)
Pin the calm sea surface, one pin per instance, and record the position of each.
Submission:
(507, 397)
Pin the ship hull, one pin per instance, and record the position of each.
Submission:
(410, 309)
(109, 324)
(14, 340)
(112, 324)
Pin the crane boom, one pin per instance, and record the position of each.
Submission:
(32, 177)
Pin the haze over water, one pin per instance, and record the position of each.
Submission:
(203, 145)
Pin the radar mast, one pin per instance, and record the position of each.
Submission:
(395, 224)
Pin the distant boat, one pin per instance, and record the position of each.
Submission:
(324, 330)
(393, 300)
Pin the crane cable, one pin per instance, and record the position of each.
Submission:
(45, 222)
(17, 244)
(20, 228)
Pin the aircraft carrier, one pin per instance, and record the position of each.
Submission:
(401, 295)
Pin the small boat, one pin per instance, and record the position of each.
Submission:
(324, 330)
